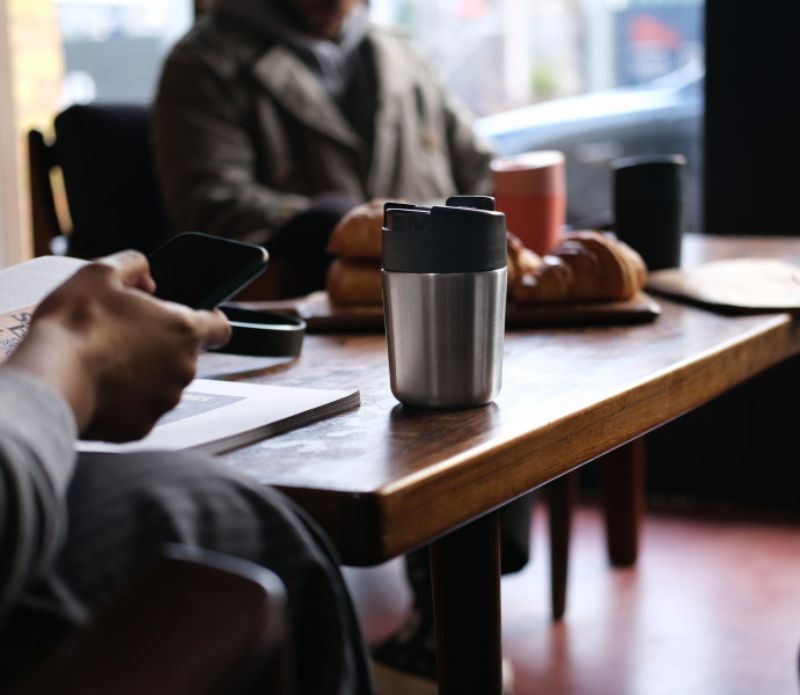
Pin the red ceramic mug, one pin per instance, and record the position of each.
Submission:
(531, 190)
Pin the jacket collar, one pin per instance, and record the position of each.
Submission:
(287, 78)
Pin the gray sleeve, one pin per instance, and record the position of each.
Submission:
(37, 458)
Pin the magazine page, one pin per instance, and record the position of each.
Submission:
(215, 416)
(22, 287)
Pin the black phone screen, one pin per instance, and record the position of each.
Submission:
(202, 271)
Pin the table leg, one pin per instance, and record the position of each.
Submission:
(465, 571)
(624, 494)
(562, 495)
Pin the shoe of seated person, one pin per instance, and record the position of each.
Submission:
(405, 664)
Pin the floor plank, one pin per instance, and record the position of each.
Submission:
(712, 608)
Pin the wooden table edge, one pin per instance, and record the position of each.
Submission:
(425, 505)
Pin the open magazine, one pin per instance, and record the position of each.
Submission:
(212, 416)
(216, 416)
(22, 287)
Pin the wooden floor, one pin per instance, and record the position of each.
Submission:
(713, 608)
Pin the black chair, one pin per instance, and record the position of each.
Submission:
(198, 623)
(105, 156)
(104, 153)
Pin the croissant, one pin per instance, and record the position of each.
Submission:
(354, 282)
(586, 267)
(521, 260)
(358, 233)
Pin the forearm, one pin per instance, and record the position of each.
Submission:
(37, 435)
(52, 355)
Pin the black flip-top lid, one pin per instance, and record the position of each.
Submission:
(482, 202)
(460, 237)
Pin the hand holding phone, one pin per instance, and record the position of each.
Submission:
(202, 271)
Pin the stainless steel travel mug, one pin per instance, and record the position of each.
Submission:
(444, 296)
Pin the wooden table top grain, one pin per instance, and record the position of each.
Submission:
(384, 479)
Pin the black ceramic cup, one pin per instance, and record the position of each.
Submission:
(648, 196)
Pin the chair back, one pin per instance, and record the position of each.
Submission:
(104, 152)
(44, 218)
(196, 623)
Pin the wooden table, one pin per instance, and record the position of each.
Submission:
(383, 479)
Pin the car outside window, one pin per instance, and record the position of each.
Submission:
(597, 79)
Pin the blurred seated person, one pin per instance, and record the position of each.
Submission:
(274, 117)
(104, 359)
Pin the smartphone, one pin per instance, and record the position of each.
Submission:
(202, 271)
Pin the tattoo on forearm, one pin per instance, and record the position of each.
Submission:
(13, 328)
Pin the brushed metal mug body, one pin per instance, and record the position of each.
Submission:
(445, 334)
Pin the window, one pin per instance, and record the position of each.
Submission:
(113, 49)
(597, 79)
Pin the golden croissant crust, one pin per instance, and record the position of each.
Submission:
(358, 233)
(586, 267)
(521, 260)
(354, 282)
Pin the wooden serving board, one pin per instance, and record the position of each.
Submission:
(640, 309)
(739, 285)
(323, 317)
